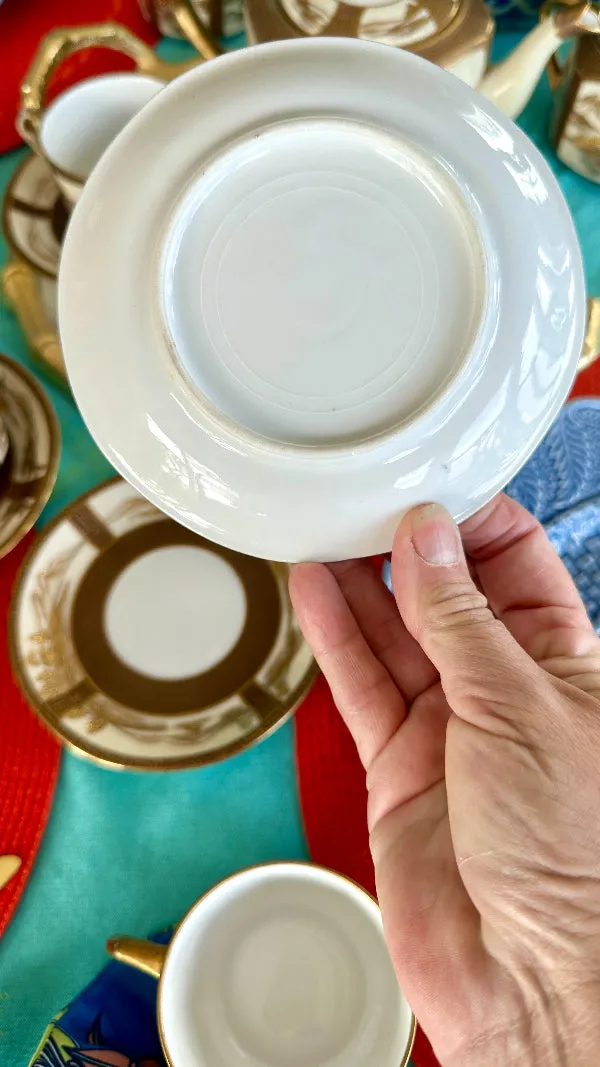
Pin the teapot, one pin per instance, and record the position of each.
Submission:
(576, 119)
(455, 34)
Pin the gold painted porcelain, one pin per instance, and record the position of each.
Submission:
(122, 94)
(29, 471)
(576, 118)
(142, 645)
(455, 34)
(35, 215)
(32, 296)
(282, 963)
(201, 22)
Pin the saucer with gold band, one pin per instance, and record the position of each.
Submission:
(31, 452)
(143, 646)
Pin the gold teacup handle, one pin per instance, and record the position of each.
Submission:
(145, 956)
(59, 44)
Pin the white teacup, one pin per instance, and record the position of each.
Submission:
(75, 130)
(281, 965)
(78, 126)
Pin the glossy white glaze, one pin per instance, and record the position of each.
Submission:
(216, 473)
(79, 125)
(510, 84)
(283, 965)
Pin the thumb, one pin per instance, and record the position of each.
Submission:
(484, 673)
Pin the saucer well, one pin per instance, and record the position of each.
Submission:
(142, 645)
(28, 473)
(354, 286)
(34, 215)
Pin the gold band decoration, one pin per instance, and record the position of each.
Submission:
(28, 473)
(181, 18)
(33, 300)
(59, 44)
(141, 709)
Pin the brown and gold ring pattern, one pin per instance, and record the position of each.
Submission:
(44, 206)
(69, 670)
(29, 471)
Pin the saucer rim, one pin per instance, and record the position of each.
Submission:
(16, 251)
(55, 436)
(141, 765)
(329, 535)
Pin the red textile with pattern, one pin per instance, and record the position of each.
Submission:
(29, 759)
(331, 780)
(23, 23)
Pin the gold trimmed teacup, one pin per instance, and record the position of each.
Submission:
(282, 964)
(75, 129)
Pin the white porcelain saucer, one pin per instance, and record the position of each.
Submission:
(352, 286)
(142, 645)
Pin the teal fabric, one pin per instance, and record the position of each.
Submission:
(129, 853)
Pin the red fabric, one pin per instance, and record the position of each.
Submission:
(331, 780)
(23, 23)
(29, 760)
(588, 382)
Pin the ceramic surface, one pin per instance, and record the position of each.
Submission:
(354, 286)
(576, 121)
(35, 215)
(33, 298)
(28, 473)
(142, 645)
(283, 964)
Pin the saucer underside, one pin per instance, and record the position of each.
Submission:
(350, 285)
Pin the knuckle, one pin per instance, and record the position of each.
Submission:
(449, 606)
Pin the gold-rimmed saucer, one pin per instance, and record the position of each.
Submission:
(29, 471)
(33, 298)
(143, 646)
(35, 216)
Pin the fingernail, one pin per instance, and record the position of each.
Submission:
(435, 536)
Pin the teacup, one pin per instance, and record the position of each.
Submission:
(73, 131)
(283, 965)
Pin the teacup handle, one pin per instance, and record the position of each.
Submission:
(146, 956)
(59, 44)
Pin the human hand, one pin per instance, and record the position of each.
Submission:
(478, 724)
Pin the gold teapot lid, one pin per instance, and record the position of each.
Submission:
(402, 23)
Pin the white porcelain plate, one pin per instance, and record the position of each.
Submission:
(312, 284)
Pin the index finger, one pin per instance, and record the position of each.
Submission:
(526, 583)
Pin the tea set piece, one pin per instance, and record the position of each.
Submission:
(455, 34)
(35, 215)
(30, 466)
(591, 345)
(199, 22)
(281, 964)
(142, 645)
(196, 20)
(576, 115)
(73, 131)
(33, 297)
(302, 310)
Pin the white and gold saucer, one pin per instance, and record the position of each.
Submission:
(34, 218)
(141, 645)
(35, 215)
(29, 469)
